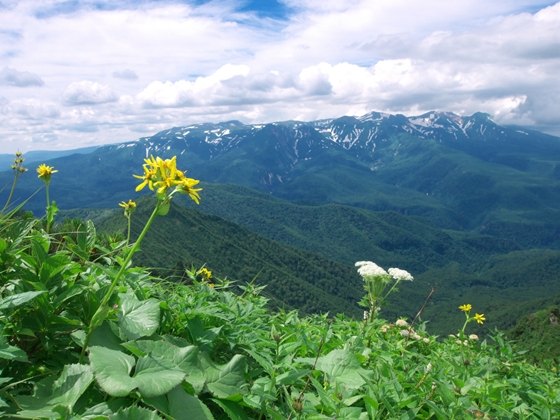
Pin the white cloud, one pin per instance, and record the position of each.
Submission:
(212, 62)
(13, 77)
(88, 93)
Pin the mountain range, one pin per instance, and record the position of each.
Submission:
(457, 200)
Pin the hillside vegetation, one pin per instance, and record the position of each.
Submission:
(87, 335)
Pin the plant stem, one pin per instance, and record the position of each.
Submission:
(128, 234)
(11, 193)
(103, 305)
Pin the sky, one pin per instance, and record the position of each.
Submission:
(78, 73)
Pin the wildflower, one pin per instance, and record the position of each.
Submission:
(18, 170)
(466, 308)
(128, 207)
(404, 333)
(384, 328)
(429, 367)
(479, 318)
(205, 274)
(369, 269)
(426, 340)
(399, 274)
(401, 323)
(473, 337)
(45, 172)
(163, 175)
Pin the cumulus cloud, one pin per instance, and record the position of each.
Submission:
(13, 77)
(211, 61)
(88, 93)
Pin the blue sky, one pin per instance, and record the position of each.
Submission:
(80, 73)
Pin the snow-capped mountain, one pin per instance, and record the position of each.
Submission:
(460, 172)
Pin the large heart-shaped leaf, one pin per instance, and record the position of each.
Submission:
(112, 371)
(224, 381)
(65, 391)
(341, 366)
(138, 318)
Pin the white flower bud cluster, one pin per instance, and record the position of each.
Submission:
(368, 268)
(399, 274)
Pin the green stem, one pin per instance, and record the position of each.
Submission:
(128, 234)
(11, 193)
(103, 306)
(391, 289)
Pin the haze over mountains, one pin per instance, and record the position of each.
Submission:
(463, 201)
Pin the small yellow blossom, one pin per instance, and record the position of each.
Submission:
(45, 172)
(466, 308)
(205, 273)
(479, 318)
(131, 205)
(128, 207)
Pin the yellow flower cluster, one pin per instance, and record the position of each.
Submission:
(162, 175)
(477, 317)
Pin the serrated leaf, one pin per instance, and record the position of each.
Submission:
(224, 381)
(138, 318)
(20, 299)
(112, 372)
(136, 413)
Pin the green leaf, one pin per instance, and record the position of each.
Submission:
(65, 391)
(14, 301)
(136, 413)
(138, 318)
(112, 372)
(12, 353)
(227, 380)
(342, 367)
(183, 406)
(233, 410)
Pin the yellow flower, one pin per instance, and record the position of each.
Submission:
(45, 172)
(128, 207)
(149, 177)
(479, 318)
(466, 308)
(186, 187)
(163, 175)
(205, 273)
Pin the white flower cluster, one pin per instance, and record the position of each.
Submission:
(368, 268)
(399, 274)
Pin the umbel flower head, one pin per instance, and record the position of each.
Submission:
(45, 172)
(162, 175)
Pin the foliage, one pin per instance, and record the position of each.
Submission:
(192, 351)
(539, 335)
